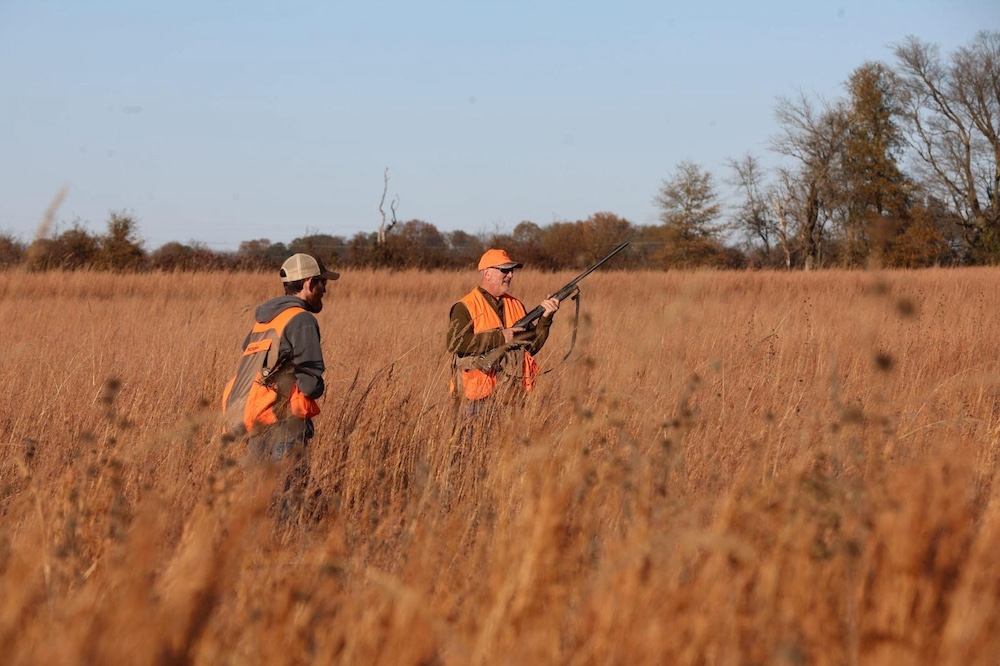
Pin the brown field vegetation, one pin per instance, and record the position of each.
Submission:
(733, 468)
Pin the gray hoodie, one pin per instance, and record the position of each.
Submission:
(301, 337)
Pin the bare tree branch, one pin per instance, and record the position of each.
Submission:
(953, 120)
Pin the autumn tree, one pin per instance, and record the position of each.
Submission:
(121, 248)
(527, 245)
(416, 244)
(75, 248)
(175, 256)
(920, 243)
(565, 245)
(464, 249)
(41, 255)
(603, 232)
(689, 210)
(72, 249)
(876, 204)
(952, 113)
(328, 249)
(11, 251)
(363, 250)
(261, 254)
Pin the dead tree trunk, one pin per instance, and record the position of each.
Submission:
(382, 228)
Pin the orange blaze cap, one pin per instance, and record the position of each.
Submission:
(497, 259)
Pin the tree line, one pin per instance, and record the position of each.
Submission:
(412, 244)
(902, 171)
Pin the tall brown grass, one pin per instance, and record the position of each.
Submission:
(754, 468)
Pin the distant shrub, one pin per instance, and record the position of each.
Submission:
(11, 251)
(121, 249)
(174, 257)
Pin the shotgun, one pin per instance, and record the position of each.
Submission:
(564, 293)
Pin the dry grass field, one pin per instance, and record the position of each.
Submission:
(732, 468)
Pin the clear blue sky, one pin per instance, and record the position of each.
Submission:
(220, 122)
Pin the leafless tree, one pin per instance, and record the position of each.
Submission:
(782, 197)
(952, 109)
(382, 228)
(754, 216)
(814, 137)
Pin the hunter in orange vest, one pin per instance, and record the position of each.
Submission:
(481, 323)
(272, 397)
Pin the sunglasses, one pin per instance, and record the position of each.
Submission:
(505, 271)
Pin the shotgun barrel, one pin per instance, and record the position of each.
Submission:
(564, 293)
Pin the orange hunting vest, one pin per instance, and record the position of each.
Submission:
(476, 383)
(248, 401)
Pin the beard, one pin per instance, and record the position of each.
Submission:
(314, 301)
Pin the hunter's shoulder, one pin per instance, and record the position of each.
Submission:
(459, 310)
(303, 318)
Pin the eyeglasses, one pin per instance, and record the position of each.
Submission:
(505, 271)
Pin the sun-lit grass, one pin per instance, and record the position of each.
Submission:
(732, 468)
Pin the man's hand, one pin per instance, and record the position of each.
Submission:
(550, 305)
(509, 333)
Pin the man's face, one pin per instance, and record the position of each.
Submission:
(314, 290)
(496, 281)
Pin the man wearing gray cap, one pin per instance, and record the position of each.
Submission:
(273, 396)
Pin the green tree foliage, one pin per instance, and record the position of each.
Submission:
(689, 210)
